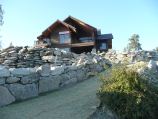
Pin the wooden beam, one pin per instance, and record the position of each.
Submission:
(74, 45)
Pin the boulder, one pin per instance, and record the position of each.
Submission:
(8, 61)
(44, 70)
(152, 65)
(12, 79)
(4, 72)
(64, 78)
(23, 50)
(95, 60)
(47, 84)
(2, 81)
(72, 74)
(22, 92)
(48, 58)
(30, 78)
(80, 61)
(5, 96)
(57, 52)
(20, 72)
(69, 82)
(72, 67)
(57, 70)
(93, 51)
(98, 68)
(81, 74)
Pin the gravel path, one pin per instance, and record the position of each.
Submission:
(75, 102)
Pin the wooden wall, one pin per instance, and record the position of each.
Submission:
(82, 31)
(54, 37)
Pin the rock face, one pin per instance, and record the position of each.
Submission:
(45, 70)
(152, 65)
(2, 81)
(32, 71)
(19, 57)
(30, 79)
(12, 79)
(4, 72)
(22, 92)
(5, 96)
(21, 71)
(130, 57)
(28, 72)
(57, 70)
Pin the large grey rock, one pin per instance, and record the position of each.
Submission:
(47, 84)
(4, 54)
(95, 68)
(4, 72)
(98, 68)
(72, 74)
(81, 74)
(57, 52)
(12, 79)
(5, 96)
(44, 70)
(22, 92)
(22, 71)
(80, 61)
(30, 78)
(152, 65)
(93, 51)
(8, 61)
(57, 70)
(2, 81)
(23, 50)
(68, 82)
(71, 68)
(64, 78)
(49, 58)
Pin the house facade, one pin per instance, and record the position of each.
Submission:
(74, 35)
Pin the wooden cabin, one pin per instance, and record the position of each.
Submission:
(75, 36)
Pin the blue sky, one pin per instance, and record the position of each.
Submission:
(24, 20)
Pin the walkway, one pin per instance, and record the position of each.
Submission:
(75, 102)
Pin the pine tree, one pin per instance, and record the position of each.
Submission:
(1, 22)
(1, 15)
(134, 43)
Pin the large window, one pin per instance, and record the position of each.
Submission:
(64, 37)
(46, 41)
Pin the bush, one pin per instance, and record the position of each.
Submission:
(128, 94)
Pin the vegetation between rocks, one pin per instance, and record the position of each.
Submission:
(128, 94)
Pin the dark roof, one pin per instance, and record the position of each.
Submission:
(79, 21)
(60, 22)
(50, 28)
(104, 36)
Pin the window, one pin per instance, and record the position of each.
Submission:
(103, 46)
(64, 37)
(46, 41)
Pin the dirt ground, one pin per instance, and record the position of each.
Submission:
(74, 102)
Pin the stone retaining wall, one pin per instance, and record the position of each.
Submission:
(17, 84)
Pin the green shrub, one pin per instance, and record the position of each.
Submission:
(128, 94)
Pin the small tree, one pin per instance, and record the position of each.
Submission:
(134, 43)
(1, 15)
(1, 22)
(156, 49)
(11, 44)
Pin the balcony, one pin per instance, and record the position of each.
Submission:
(86, 39)
(73, 45)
